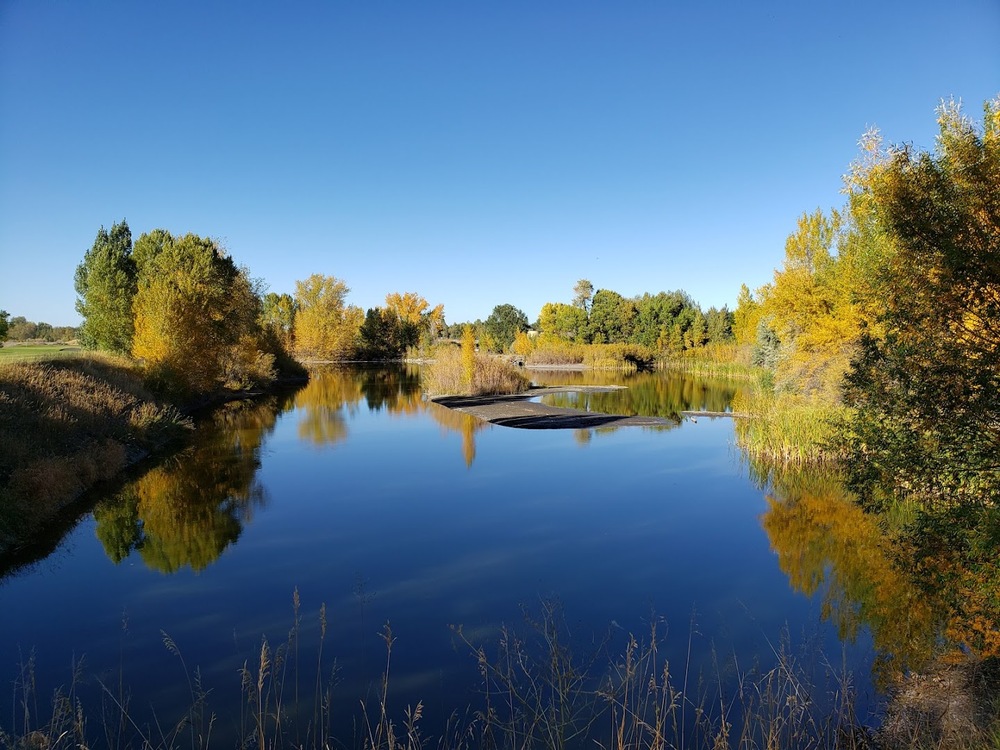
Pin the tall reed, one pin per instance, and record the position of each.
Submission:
(787, 429)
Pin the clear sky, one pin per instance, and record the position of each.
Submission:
(476, 153)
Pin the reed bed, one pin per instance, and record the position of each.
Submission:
(449, 374)
(786, 428)
(730, 361)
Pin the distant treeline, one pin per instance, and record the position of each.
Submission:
(664, 322)
(20, 328)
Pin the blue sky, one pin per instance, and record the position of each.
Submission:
(476, 153)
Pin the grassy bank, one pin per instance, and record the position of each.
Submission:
(780, 427)
(67, 423)
(12, 351)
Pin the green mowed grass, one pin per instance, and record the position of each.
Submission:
(32, 351)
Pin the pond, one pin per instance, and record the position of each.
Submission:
(357, 495)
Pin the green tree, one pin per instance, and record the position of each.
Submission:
(612, 318)
(503, 324)
(381, 335)
(656, 313)
(926, 392)
(106, 284)
(565, 321)
(720, 325)
(3, 326)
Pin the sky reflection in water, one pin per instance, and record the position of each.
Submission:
(385, 507)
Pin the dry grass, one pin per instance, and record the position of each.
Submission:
(949, 707)
(66, 424)
(491, 375)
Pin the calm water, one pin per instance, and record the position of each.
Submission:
(365, 498)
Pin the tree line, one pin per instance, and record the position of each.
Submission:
(19, 328)
(664, 322)
(197, 321)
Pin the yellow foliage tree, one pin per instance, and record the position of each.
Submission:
(325, 328)
(197, 317)
(408, 307)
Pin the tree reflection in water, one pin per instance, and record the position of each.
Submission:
(188, 509)
(916, 595)
(647, 394)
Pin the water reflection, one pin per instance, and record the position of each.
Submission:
(924, 583)
(188, 509)
(912, 581)
(647, 394)
(334, 395)
(827, 545)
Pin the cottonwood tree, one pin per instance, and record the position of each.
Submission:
(565, 321)
(278, 316)
(197, 318)
(106, 284)
(325, 327)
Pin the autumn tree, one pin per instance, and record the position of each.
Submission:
(926, 391)
(417, 320)
(468, 357)
(106, 284)
(326, 328)
(197, 318)
(278, 316)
